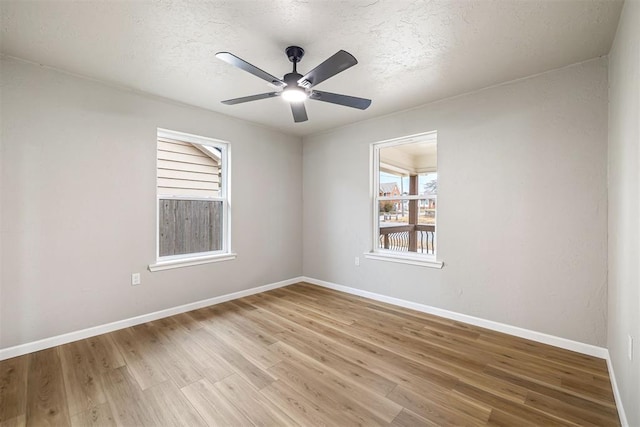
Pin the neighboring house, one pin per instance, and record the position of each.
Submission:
(389, 189)
(186, 169)
(430, 203)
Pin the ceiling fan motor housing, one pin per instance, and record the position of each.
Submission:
(294, 53)
(291, 79)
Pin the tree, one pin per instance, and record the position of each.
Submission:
(386, 207)
(431, 187)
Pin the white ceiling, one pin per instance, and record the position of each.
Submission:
(409, 52)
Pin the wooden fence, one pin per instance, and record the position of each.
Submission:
(189, 226)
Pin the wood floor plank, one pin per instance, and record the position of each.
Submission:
(140, 359)
(172, 360)
(241, 365)
(406, 418)
(240, 303)
(238, 319)
(254, 317)
(97, 416)
(82, 378)
(205, 361)
(445, 361)
(502, 353)
(602, 394)
(126, 400)
(187, 321)
(46, 396)
(13, 388)
(292, 310)
(325, 309)
(213, 406)
(448, 359)
(332, 360)
(306, 355)
(19, 421)
(319, 391)
(386, 363)
(499, 387)
(441, 408)
(504, 418)
(518, 413)
(567, 411)
(170, 327)
(105, 352)
(545, 351)
(170, 406)
(251, 403)
(576, 399)
(356, 310)
(302, 410)
(298, 362)
(255, 351)
(369, 306)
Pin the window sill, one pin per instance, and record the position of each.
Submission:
(421, 261)
(187, 262)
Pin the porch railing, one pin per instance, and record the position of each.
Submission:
(398, 238)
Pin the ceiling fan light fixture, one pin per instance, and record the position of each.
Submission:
(294, 94)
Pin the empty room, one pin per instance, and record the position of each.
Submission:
(306, 213)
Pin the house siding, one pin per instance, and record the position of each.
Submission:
(185, 170)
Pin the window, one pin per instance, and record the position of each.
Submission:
(405, 194)
(193, 200)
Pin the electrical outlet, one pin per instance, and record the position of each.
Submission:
(630, 347)
(135, 279)
(357, 261)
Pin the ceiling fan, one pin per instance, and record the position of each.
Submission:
(295, 87)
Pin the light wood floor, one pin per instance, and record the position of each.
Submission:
(305, 355)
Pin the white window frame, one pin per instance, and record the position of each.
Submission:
(224, 254)
(381, 254)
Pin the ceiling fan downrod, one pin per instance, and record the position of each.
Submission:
(295, 54)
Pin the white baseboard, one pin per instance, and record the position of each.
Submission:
(19, 350)
(616, 393)
(567, 344)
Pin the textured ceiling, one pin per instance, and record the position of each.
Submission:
(409, 52)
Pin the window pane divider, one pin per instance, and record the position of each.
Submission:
(204, 199)
(407, 197)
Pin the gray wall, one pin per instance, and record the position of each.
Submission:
(522, 204)
(78, 204)
(624, 210)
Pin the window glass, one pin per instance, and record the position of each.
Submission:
(192, 189)
(406, 193)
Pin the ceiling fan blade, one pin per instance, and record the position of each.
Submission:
(230, 58)
(250, 98)
(329, 68)
(299, 112)
(336, 98)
